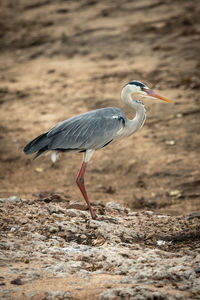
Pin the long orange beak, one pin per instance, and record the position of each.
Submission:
(156, 95)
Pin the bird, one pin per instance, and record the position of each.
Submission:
(94, 130)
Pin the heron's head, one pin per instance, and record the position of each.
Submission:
(140, 91)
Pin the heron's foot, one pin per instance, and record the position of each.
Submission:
(95, 217)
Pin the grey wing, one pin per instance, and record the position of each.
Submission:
(92, 130)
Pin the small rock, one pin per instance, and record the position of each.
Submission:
(161, 243)
(179, 115)
(194, 215)
(126, 292)
(113, 205)
(11, 199)
(71, 213)
(108, 295)
(67, 295)
(94, 224)
(77, 205)
(16, 281)
(14, 199)
(13, 229)
(83, 236)
(158, 284)
(39, 170)
(99, 241)
(126, 280)
(183, 287)
(170, 142)
(24, 221)
(59, 295)
(52, 229)
(175, 193)
(44, 251)
(178, 296)
(197, 270)
(50, 71)
(157, 295)
(30, 295)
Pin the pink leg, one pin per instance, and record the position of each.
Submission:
(80, 183)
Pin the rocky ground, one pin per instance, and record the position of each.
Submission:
(59, 58)
(51, 249)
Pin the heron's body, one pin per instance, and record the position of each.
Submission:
(94, 130)
(91, 130)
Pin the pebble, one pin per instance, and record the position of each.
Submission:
(2, 283)
(52, 229)
(72, 213)
(126, 280)
(24, 221)
(183, 287)
(178, 296)
(114, 205)
(95, 224)
(77, 206)
(197, 270)
(170, 142)
(16, 281)
(161, 243)
(13, 229)
(108, 295)
(11, 199)
(59, 295)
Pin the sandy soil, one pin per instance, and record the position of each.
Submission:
(60, 58)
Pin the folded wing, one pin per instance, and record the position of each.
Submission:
(92, 130)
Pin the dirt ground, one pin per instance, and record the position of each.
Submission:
(61, 58)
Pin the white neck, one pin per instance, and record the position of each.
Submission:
(136, 123)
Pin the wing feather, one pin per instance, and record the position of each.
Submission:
(91, 130)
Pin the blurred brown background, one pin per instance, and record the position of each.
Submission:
(61, 58)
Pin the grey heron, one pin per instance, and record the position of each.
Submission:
(95, 129)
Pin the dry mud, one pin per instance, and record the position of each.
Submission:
(61, 58)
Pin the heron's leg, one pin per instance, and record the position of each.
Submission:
(80, 182)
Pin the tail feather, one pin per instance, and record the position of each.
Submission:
(40, 152)
(38, 144)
